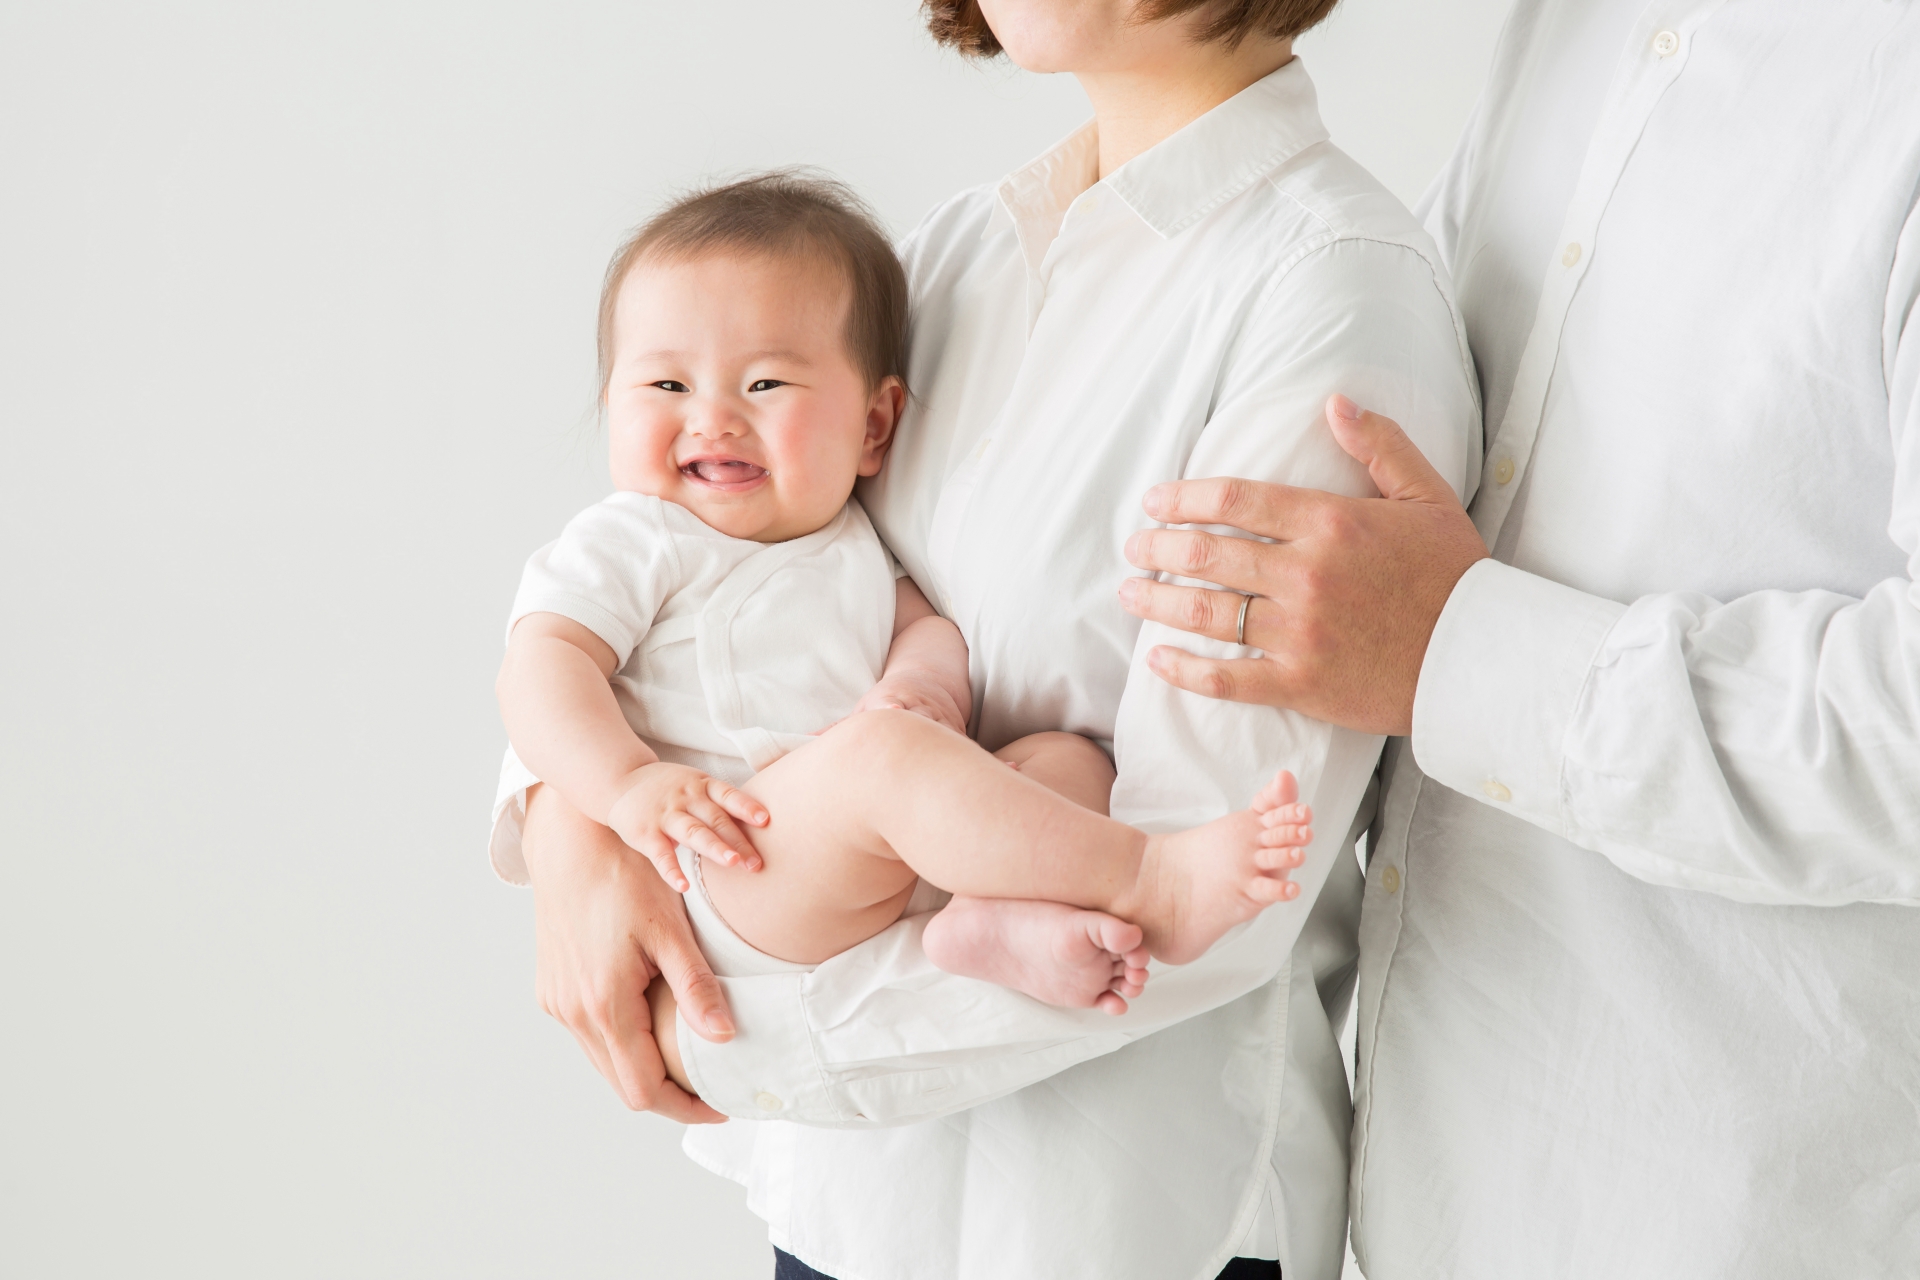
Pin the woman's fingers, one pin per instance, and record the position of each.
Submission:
(696, 991)
(1228, 679)
(737, 802)
(1204, 612)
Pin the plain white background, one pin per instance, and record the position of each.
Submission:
(296, 309)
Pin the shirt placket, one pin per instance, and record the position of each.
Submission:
(1656, 52)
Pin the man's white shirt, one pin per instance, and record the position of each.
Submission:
(1075, 343)
(1639, 959)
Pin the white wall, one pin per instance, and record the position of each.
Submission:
(295, 355)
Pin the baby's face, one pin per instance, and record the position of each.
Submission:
(733, 395)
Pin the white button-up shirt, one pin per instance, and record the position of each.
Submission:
(1075, 343)
(1640, 984)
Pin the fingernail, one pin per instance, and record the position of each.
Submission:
(1129, 588)
(1155, 499)
(719, 1024)
(1346, 408)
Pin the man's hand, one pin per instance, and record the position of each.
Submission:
(605, 926)
(667, 805)
(1344, 599)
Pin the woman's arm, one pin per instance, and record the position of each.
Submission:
(878, 1035)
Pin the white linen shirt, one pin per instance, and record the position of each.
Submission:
(1639, 960)
(1076, 342)
(730, 652)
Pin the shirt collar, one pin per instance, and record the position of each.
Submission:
(1179, 180)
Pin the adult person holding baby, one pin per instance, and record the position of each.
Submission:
(1171, 292)
(1639, 952)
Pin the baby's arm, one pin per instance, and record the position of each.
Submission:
(926, 667)
(567, 728)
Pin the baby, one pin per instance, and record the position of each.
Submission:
(675, 659)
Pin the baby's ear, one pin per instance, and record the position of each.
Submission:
(884, 407)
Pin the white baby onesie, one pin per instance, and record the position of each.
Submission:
(731, 652)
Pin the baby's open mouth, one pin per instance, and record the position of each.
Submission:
(727, 472)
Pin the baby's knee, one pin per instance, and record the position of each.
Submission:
(880, 735)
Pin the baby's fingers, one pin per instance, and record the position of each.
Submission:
(739, 849)
(666, 860)
(738, 803)
(700, 838)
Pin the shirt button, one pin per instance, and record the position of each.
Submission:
(1496, 790)
(767, 1102)
(1503, 471)
(1570, 256)
(1666, 44)
(1390, 879)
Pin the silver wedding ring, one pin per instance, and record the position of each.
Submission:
(1240, 628)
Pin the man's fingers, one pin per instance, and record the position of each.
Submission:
(1269, 510)
(1239, 564)
(1398, 468)
(739, 803)
(1230, 679)
(1214, 614)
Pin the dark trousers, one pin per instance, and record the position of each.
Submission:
(788, 1267)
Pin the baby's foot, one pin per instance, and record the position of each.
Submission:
(1195, 885)
(1057, 954)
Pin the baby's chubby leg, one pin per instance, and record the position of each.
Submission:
(887, 793)
(1073, 957)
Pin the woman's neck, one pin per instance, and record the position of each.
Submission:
(1138, 106)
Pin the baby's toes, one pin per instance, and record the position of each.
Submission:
(1116, 936)
(1283, 790)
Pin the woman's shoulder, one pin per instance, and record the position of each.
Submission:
(1334, 198)
(951, 231)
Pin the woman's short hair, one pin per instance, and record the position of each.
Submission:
(960, 25)
(782, 212)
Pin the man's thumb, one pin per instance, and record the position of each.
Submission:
(1398, 468)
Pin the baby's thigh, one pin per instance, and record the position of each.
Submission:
(826, 884)
(1066, 764)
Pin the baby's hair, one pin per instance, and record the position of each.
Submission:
(785, 211)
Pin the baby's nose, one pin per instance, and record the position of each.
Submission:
(713, 419)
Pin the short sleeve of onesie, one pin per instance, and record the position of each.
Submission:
(610, 570)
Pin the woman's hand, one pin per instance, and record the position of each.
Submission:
(605, 925)
(1344, 599)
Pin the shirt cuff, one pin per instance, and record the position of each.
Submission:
(1503, 675)
(769, 1070)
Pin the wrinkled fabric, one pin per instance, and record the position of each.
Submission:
(1638, 952)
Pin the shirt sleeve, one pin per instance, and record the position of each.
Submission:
(1764, 748)
(878, 1035)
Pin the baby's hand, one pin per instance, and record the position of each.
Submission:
(670, 804)
(911, 691)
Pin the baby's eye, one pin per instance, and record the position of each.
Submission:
(766, 384)
(668, 384)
